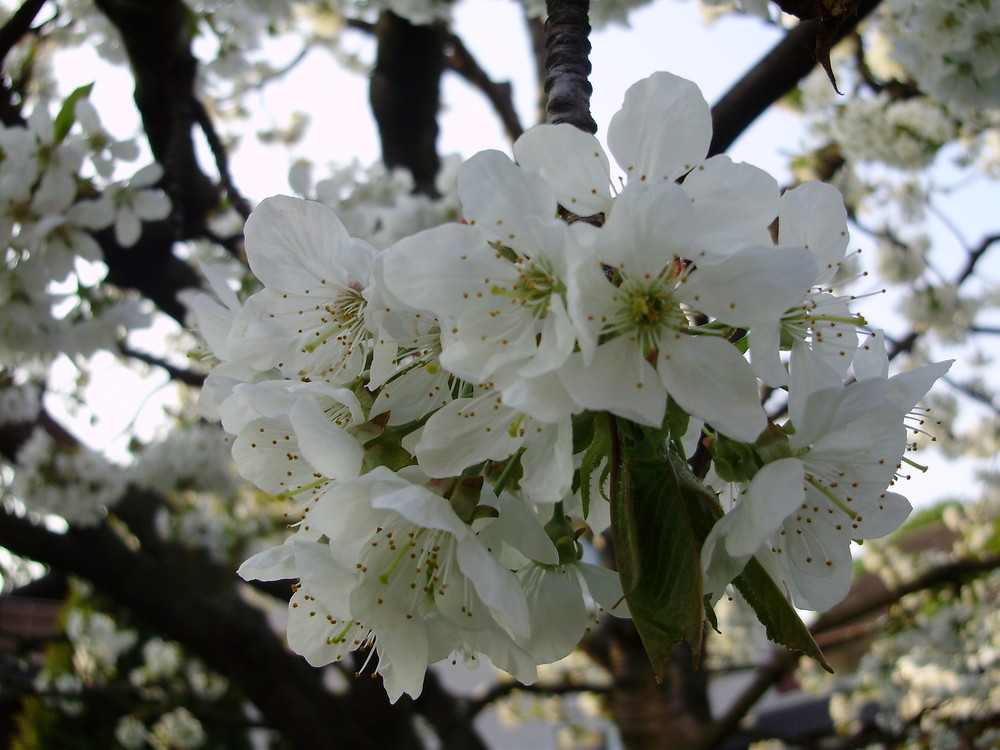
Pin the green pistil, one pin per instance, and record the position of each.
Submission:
(300, 490)
(856, 320)
(347, 315)
(535, 285)
(515, 426)
(403, 552)
(648, 309)
(833, 498)
(339, 637)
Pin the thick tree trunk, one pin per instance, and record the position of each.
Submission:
(405, 96)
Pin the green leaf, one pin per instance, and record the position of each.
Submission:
(775, 612)
(660, 515)
(676, 423)
(67, 116)
(598, 450)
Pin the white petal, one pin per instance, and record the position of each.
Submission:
(604, 587)
(871, 359)
(151, 205)
(572, 162)
(146, 176)
(888, 512)
(409, 268)
(497, 195)
(711, 380)
(402, 653)
(749, 288)
(663, 129)
(274, 564)
(733, 204)
(496, 586)
(128, 228)
(291, 244)
(558, 614)
(765, 354)
(548, 461)
(465, 432)
(618, 380)
(907, 388)
(776, 491)
(650, 226)
(813, 215)
(330, 449)
(519, 527)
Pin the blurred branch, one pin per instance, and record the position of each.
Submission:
(975, 255)
(774, 76)
(17, 26)
(221, 155)
(452, 719)
(462, 62)
(973, 392)
(191, 600)
(783, 661)
(194, 379)
(503, 689)
(536, 35)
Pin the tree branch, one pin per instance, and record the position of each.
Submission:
(775, 75)
(17, 26)
(191, 600)
(462, 62)
(567, 64)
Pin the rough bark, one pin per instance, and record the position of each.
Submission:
(567, 64)
(775, 75)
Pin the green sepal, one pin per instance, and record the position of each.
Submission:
(67, 116)
(598, 450)
(583, 430)
(485, 511)
(676, 423)
(772, 445)
(382, 447)
(463, 493)
(734, 461)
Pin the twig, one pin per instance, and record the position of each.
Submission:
(462, 62)
(536, 34)
(221, 155)
(975, 255)
(972, 392)
(503, 689)
(176, 373)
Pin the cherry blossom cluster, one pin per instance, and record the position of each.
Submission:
(933, 672)
(426, 409)
(57, 188)
(952, 50)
